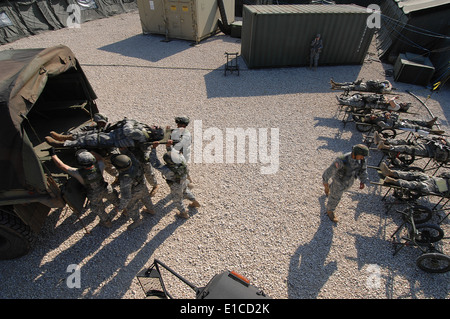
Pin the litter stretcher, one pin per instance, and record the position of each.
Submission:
(404, 160)
(358, 104)
(416, 229)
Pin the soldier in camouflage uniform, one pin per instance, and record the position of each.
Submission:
(437, 147)
(142, 154)
(315, 50)
(99, 124)
(343, 172)
(182, 139)
(175, 173)
(90, 175)
(417, 181)
(373, 101)
(389, 120)
(376, 86)
(125, 133)
(133, 187)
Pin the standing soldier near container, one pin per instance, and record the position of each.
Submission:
(133, 187)
(316, 49)
(343, 172)
(90, 175)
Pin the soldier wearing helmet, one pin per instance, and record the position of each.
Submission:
(90, 175)
(175, 172)
(99, 125)
(182, 139)
(316, 49)
(344, 170)
(133, 187)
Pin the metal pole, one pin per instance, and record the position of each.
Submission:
(177, 275)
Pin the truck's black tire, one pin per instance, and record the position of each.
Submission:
(16, 237)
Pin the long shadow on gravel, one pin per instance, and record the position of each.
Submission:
(308, 270)
(108, 260)
(396, 269)
(117, 266)
(154, 47)
(272, 81)
(150, 48)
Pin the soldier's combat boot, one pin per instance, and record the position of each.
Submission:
(135, 223)
(377, 138)
(52, 142)
(390, 180)
(106, 224)
(194, 204)
(382, 146)
(385, 170)
(61, 137)
(153, 191)
(184, 215)
(333, 84)
(332, 217)
(432, 122)
(149, 211)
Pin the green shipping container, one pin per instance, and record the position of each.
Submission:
(281, 35)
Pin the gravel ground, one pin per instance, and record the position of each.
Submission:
(271, 228)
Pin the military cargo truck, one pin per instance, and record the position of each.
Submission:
(41, 90)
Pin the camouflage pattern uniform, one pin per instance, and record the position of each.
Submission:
(126, 133)
(90, 175)
(95, 127)
(392, 121)
(133, 189)
(343, 172)
(182, 142)
(97, 189)
(372, 101)
(142, 154)
(434, 147)
(375, 86)
(422, 182)
(176, 178)
(316, 48)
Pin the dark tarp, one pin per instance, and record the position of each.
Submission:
(11, 26)
(25, 74)
(419, 27)
(20, 18)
